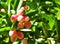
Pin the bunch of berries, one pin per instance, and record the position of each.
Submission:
(23, 21)
(15, 34)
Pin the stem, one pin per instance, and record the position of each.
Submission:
(9, 9)
(19, 5)
(8, 3)
(56, 28)
(45, 31)
(36, 42)
(14, 4)
(49, 42)
(12, 26)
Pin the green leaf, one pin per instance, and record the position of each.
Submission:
(6, 40)
(34, 28)
(50, 19)
(35, 23)
(40, 24)
(0, 20)
(31, 42)
(5, 29)
(57, 1)
(30, 11)
(58, 14)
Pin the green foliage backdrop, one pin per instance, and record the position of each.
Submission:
(44, 16)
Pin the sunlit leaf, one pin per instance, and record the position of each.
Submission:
(50, 19)
(57, 1)
(5, 29)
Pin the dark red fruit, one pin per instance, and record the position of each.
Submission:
(20, 18)
(24, 41)
(20, 35)
(26, 7)
(20, 25)
(13, 33)
(27, 24)
(26, 18)
(13, 39)
(13, 18)
(20, 12)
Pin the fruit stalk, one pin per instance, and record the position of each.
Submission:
(19, 5)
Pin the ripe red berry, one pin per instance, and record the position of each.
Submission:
(13, 39)
(20, 12)
(13, 18)
(27, 24)
(26, 7)
(20, 35)
(26, 18)
(24, 41)
(13, 33)
(20, 18)
(20, 25)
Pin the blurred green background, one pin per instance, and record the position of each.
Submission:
(44, 16)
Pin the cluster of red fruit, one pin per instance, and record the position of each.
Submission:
(15, 34)
(23, 21)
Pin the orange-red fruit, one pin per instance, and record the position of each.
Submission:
(13, 33)
(13, 18)
(26, 18)
(20, 12)
(27, 24)
(24, 41)
(13, 39)
(20, 25)
(20, 35)
(26, 7)
(20, 18)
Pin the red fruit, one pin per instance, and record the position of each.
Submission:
(13, 18)
(24, 41)
(13, 33)
(27, 24)
(20, 18)
(20, 35)
(20, 12)
(13, 39)
(26, 18)
(20, 25)
(26, 7)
